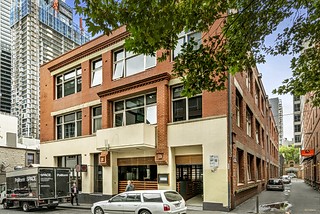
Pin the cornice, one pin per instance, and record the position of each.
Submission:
(81, 54)
(136, 84)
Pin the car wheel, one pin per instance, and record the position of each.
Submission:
(52, 207)
(5, 205)
(98, 210)
(25, 206)
(144, 212)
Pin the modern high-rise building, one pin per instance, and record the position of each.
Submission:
(277, 111)
(297, 119)
(41, 31)
(5, 57)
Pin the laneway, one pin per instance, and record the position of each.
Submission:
(303, 198)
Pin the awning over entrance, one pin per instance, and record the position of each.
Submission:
(291, 169)
(307, 158)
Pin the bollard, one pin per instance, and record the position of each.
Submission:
(257, 205)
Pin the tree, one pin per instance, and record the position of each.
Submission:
(235, 44)
(290, 153)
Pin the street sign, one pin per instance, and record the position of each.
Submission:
(307, 152)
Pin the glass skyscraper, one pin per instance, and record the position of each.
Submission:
(41, 31)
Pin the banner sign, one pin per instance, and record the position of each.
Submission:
(307, 152)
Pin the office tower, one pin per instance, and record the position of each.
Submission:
(297, 119)
(41, 31)
(5, 57)
(276, 108)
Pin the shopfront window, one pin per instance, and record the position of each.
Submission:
(71, 161)
(138, 173)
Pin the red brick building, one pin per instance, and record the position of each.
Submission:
(310, 141)
(122, 115)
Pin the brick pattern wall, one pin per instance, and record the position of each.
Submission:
(213, 104)
(11, 157)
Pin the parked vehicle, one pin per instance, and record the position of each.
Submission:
(36, 187)
(142, 202)
(286, 179)
(292, 175)
(275, 184)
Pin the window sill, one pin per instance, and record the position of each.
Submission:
(251, 182)
(240, 184)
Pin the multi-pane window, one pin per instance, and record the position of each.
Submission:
(96, 118)
(68, 83)
(297, 128)
(141, 109)
(30, 158)
(96, 72)
(297, 118)
(249, 121)
(238, 109)
(249, 79)
(185, 37)
(185, 108)
(250, 167)
(296, 107)
(257, 96)
(126, 63)
(297, 138)
(240, 166)
(259, 168)
(257, 132)
(69, 125)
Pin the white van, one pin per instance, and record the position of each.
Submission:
(143, 202)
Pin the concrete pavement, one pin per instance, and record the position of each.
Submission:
(303, 198)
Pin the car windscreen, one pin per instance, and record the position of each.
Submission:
(152, 197)
(172, 196)
(275, 182)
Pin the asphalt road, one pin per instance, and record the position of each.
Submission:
(303, 198)
(46, 211)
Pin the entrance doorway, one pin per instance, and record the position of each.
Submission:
(189, 180)
(141, 171)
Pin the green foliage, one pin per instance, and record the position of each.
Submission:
(290, 153)
(233, 44)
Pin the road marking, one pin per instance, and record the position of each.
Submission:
(310, 210)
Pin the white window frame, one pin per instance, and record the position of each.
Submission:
(238, 110)
(185, 36)
(145, 106)
(78, 75)
(248, 80)
(96, 117)
(249, 122)
(63, 123)
(127, 56)
(186, 106)
(33, 158)
(96, 73)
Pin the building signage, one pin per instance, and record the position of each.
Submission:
(307, 152)
(163, 178)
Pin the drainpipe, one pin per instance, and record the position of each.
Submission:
(230, 153)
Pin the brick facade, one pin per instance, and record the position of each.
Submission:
(311, 141)
(262, 154)
(12, 157)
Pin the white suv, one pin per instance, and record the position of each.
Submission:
(142, 202)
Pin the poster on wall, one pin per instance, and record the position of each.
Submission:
(214, 162)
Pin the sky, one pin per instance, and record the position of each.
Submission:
(274, 71)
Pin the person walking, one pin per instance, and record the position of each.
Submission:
(130, 186)
(74, 193)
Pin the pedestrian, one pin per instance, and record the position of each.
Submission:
(130, 186)
(74, 193)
